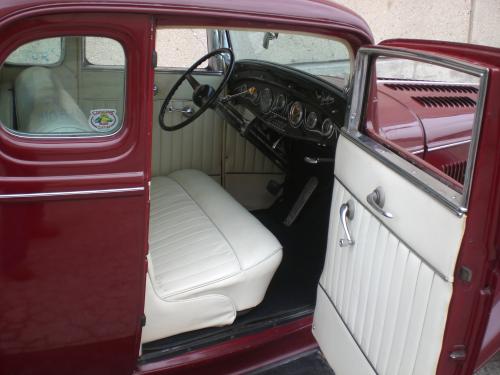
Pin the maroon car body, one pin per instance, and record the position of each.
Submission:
(80, 313)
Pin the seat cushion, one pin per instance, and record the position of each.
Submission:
(6, 105)
(208, 256)
(200, 235)
(187, 250)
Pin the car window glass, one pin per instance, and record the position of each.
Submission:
(40, 52)
(62, 100)
(328, 58)
(180, 48)
(104, 52)
(424, 112)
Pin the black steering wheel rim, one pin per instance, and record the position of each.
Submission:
(187, 75)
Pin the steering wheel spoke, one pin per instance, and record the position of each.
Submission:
(192, 81)
(204, 96)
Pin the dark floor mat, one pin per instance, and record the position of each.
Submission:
(309, 363)
(304, 247)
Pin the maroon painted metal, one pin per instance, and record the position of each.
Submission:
(72, 271)
(241, 355)
(491, 340)
(471, 302)
(72, 268)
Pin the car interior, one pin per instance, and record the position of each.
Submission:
(242, 177)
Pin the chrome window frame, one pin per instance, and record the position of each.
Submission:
(451, 198)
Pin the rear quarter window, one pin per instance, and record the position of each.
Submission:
(40, 52)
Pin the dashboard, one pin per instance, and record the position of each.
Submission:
(291, 103)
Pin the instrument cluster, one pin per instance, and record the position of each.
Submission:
(291, 103)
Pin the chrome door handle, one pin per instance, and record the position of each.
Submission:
(186, 111)
(346, 212)
(376, 199)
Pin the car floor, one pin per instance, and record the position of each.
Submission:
(292, 291)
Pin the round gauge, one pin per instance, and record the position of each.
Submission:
(311, 120)
(280, 103)
(295, 114)
(254, 95)
(327, 127)
(266, 100)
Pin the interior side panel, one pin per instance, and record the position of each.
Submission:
(391, 289)
(197, 146)
(244, 157)
(101, 89)
(247, 172)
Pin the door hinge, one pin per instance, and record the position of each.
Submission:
(459, 354)
(465, 274)
(154, 59)
(143, 320)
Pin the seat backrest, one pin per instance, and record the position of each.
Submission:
(6, 105)
(44, 106)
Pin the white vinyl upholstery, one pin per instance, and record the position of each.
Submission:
(208, 256)
(6, 106)
(382, 303)
(44, 106)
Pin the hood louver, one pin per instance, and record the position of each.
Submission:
(445, 101)
(456, 170)
(455, 89)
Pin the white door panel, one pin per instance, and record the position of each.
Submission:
(432, 230)
(390, 295)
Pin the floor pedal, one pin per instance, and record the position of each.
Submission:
(274, 187)
(301, 201)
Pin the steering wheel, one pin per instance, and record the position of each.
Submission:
(204, 96)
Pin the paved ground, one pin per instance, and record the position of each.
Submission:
(492, 367)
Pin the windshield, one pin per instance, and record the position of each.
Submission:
(326, 58)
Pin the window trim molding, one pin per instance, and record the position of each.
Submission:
(455, 200)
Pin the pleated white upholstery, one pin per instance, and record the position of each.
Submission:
(243, 157)
(208, 256)
(382, 303)
(186, 249)
(44, 106)
(197, 146)
(393, 303)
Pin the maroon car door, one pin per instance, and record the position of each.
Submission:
(74, 198)
(406, 283)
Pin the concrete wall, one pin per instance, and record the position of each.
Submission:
(466, 21)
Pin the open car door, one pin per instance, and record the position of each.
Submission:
(404, 289)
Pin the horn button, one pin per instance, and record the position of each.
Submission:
(202, 94)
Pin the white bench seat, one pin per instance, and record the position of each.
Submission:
(208, 256)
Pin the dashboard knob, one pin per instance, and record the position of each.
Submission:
(327, 127)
